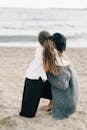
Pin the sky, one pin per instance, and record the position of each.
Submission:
(44, 3)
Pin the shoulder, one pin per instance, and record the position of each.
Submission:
(39, 50)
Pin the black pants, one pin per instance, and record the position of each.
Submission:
(33, 91)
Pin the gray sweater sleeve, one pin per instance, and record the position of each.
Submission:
(60, 81)
(73, 83)
(73, 79)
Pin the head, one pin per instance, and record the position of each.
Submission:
(43, 37)
(60, 42)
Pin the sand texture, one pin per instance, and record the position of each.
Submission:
(13, 64)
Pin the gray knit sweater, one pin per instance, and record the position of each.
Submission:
(64, 88)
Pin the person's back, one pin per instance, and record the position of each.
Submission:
(64, 92)
(61, 76)
(34, 85)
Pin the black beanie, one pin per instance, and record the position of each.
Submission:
(60, 41)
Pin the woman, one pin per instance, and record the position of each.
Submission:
(35, 86)
(63, 82)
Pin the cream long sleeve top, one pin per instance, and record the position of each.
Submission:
(35, 69)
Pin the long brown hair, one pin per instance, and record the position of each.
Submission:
(49, 57)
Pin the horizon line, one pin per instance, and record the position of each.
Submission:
(45, 8)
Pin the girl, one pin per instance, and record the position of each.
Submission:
(63, 82)
(35, 87)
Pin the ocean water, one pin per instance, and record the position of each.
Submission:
(20, 27)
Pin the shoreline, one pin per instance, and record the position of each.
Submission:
(30, 45)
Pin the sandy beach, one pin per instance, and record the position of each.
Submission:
(13, 64)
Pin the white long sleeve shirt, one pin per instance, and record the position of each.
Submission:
(35, 69)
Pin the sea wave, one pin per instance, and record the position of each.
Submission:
(23, 25)
(28, 38)
(77, 36)
(17, 38)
